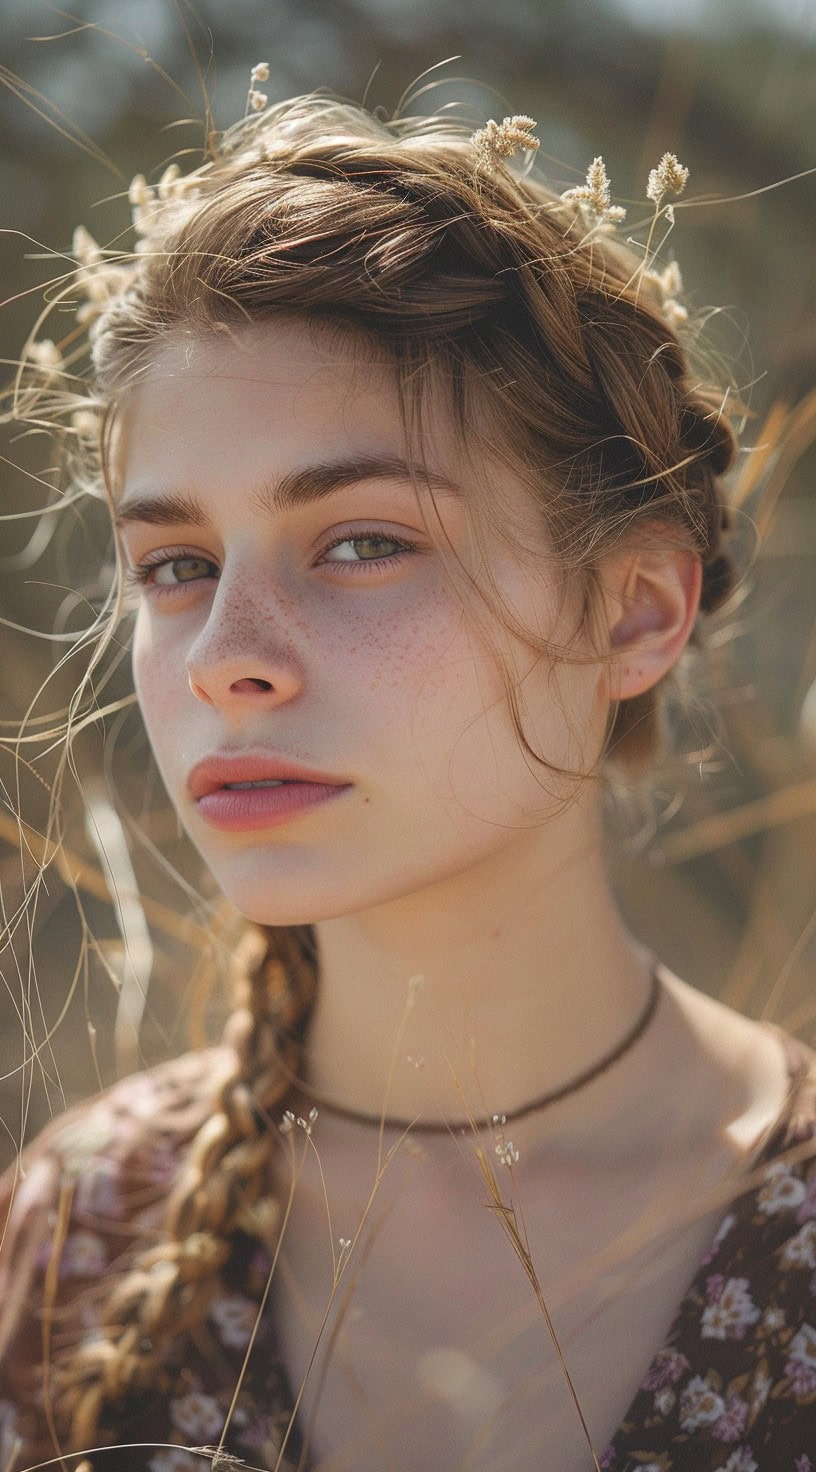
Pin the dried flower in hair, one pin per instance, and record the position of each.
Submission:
(257, 101)
(167, 181)
(45, 354)
(670, 177)
(86, 424)
(496, 141)
(595, 196)
(259, 73)
(668, 284)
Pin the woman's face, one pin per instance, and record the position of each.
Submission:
(293, 609)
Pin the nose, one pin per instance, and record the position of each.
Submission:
(241, 658)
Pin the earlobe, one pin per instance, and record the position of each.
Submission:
(652, 597)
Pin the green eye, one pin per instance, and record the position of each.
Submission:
(181, 570)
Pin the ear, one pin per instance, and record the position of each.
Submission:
(650, 596)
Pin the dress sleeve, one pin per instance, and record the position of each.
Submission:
(82, 1195)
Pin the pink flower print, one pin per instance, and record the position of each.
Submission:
(714, 1287)
(801, 1363)
(607, 1459)
(803, 1464)
(234, 1317)
(700, 1404)
(806, 1210)
(733, 1420)
(802, 1377)
(721, 1233)
(783, 1190)
(98, 1192)
(729, 1316)
(83, 1256)
(742, 1460)
(197, 1416)
(800, 1251)
(669, 1365)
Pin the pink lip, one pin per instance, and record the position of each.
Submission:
(221, 806)
(217, 771)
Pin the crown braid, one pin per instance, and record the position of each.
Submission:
(223, 1189)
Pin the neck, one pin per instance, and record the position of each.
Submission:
(528, 978)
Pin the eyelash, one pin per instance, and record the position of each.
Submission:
(139, 574)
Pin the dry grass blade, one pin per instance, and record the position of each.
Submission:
(507, 1217)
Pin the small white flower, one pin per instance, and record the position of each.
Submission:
(496, 141)
(169, 1459)
(83, 1256)
(782, 1192)
(257, 100)
(739, 1461)
(287, 1123)
(507, 1152)
(700, 1404)
(197, 1416)
(234, 1316)
(773, 1319)
(670, 177)
(731, 1313)
(803, 1346)
(259, 73)
(665, 1400)
(45, 353)
(595, 196)
(800, 1251)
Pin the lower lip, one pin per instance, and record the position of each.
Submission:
(264, 807)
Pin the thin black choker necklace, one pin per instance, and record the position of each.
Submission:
(435, 1128)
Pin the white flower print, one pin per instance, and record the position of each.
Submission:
(740, 1461)
(783, 1190)
(83, 1256)
(197, 1416)
(731, 1312)
(803, 1346)
(234, 1316)
(773, 1318)
(168, 1459)
(665, 1400)
(700, 1404)
(800, 1251)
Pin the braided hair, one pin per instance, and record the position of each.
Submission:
(481, 280)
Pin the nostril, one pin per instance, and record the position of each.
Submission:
(249, 686)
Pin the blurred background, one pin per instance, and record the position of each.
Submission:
(716, 869)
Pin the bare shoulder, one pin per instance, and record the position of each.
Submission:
(750, 1068)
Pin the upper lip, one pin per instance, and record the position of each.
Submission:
(218, 771)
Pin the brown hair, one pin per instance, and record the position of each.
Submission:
(466, 276)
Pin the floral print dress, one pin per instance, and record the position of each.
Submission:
(731, 1389)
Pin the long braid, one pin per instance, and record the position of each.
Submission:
(168, 1288)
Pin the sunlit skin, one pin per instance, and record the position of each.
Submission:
(452, 856)
(449, 856)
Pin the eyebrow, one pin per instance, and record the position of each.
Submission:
(298, 488)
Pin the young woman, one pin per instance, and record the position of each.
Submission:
(421, 501)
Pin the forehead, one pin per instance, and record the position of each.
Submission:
(228, 414)
(221, 402)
